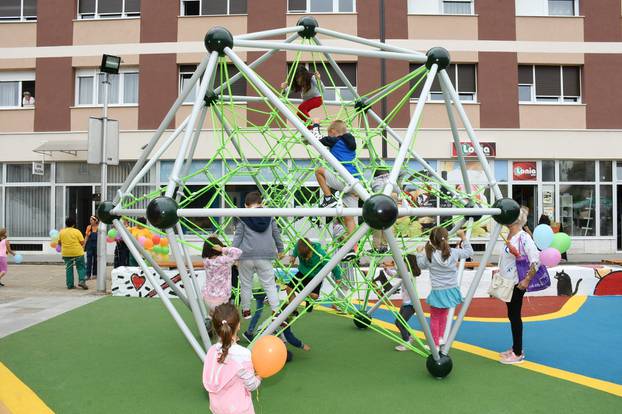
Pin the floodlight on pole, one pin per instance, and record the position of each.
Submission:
(109, 66)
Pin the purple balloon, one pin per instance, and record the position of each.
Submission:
(58, 248)
(550, 257)
(118, 237)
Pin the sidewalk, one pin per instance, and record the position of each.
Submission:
(35, 293)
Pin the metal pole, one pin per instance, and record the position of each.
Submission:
(383, 80)
(494, 234)
(192, 273)
(317, 279)
(387, 295)
(259, 44)
(410, 132)
(267, 33)
(339, 168)
(238, 98)
(101, 229)
(366, 42)
(446, 83)
(407, 283)
(165, 299)
(170, 115)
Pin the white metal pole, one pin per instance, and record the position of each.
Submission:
(339, 168)
(386, 295)
(446, 82)
(262, 44)
(367, 42)
(407, 284)
(267, 33)
(165, 299)
(317, 279)
(173, 179)
(101, 228)
(191, 272)
(494, 234)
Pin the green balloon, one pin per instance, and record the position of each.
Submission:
(112, 233)
(156, 249)
(561, 242)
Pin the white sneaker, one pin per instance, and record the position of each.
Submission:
(512, 358)
(401, 348)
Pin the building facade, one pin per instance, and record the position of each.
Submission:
(539, 79)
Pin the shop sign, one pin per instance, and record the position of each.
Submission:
(524, 171)
(468, 150)
(38, 168)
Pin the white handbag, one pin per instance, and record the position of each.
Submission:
(501, 288)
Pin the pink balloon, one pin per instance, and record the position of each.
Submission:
(550, 257)
(142, 239)
(58, 248)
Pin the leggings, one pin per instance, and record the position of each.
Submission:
(406, 312)
(438, 322)
(305, 108)
(514, 315)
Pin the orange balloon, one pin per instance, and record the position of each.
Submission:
(163, 242)
(269, 356)
(53, 245)
(148, 244)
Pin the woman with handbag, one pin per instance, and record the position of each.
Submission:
(518, 264)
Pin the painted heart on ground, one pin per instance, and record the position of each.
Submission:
(137, 281)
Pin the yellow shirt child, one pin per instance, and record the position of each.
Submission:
(71, 241)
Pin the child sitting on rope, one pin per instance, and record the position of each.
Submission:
(307, 84)
(311, 259)
(343, 147)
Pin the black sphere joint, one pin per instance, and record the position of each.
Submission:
(104, 212)
(310, 24)
(162, 212)
(362, 320)
(441, 368)
(361, 105)
(217, 39)
(510, 211)
(438, 55)
(380, 211)
(210, 98)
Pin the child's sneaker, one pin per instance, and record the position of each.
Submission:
(315, 130)
(248, 337)
(512, 358)
(246, 314)
(401, 348)
(328, 201)
(505, 353)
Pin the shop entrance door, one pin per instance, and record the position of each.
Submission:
(619, 232)
(80, 205)
(527, 195)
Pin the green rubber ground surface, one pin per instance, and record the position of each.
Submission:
(123, 355)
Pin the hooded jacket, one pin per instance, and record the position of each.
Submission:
(259, 238)
(230, 384)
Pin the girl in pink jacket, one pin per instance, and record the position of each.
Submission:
(218, 260)
(228, 373)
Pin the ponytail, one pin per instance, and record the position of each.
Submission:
(439, 240)
(226, 321)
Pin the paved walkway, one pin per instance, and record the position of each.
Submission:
(35, 293)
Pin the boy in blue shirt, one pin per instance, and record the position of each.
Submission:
(343, 146)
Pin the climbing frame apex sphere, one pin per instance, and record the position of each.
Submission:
(217, 39)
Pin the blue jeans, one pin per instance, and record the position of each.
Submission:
(259, 301)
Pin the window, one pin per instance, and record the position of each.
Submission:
(108, 9)
(464, 80)
(238, 88)
(458, 7)
(18, 10)
(321, 6)
(334, 89)
(554, 84)
(123, 88)
(212, 7)
(17, 89)
(561, 7)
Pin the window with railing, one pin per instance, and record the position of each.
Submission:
(549, 84)
(108, 9)
(547, 7)
(441, 7)
(123, 89)
(17, 90)
(18, 10)
(321, 6)
(212, 7)
(463, 77)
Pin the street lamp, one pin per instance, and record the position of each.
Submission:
(110, 65)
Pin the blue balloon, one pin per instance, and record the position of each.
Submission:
(53, 233)
(18, 258)
(543, 236)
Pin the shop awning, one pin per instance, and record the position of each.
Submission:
(66, 147)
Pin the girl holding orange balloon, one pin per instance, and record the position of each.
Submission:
(228, 373)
